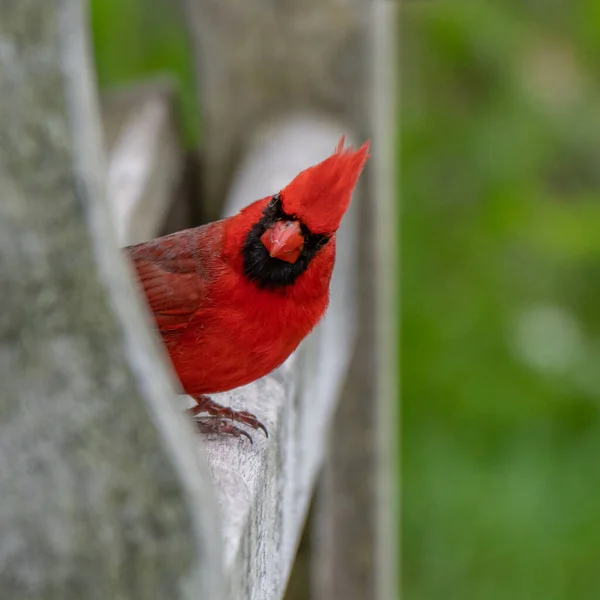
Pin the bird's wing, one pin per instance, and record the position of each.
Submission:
(175, 274)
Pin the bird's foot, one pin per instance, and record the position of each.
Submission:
(204, 404)
(220, 426)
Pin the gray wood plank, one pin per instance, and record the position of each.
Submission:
(355, 529)
(261, 63)
(103, 495)
(264, 490)
(287, 59)
(385, 194)
(145, 157)
(262, 59)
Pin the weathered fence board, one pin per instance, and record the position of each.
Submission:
(261, 62)
(273, 482)
(262, 59)
(264, 489)
(146, 158)
(102, 492)
(354, 550)
(385, 193)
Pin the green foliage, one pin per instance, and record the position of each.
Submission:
(134, 39)
(500, 134)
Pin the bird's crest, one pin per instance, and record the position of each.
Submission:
(319, 195)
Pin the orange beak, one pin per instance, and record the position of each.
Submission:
(284, 240)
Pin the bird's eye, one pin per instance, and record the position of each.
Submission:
(321, 242)
(274, 200)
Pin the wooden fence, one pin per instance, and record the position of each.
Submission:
(105, 490)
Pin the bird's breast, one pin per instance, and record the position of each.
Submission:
(241, 341)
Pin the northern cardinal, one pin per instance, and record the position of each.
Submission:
(234, 298)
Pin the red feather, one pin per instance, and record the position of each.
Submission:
(320, 195)
(221, 329)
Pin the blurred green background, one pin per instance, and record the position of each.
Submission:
(500, 282)
(135, 39)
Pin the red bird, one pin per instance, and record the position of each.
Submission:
(234, 298)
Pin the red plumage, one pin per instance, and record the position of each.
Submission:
(320, 195)
(233, 299)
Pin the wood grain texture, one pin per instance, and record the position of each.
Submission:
(262, 66)
(264, 490)
(102, 494)
(262, 62)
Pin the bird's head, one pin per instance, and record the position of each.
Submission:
(302, 218)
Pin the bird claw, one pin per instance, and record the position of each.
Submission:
(246, 417)
(216, 425)
(206, 405)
